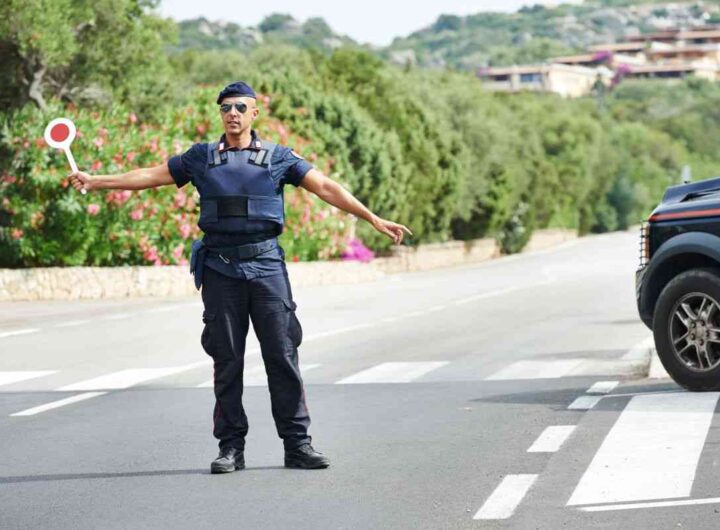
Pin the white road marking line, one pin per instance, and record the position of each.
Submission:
(18, 332)
(256, 376)
(436, 308)
(640, 350)
(125, 378)
(117, 316)
(337, 331)
(536, 369)
(507, 496)
(71, 323)
(7, 378)
(173, 307)
(584, 402)
(395, 372)
(602, 387)
(656, 504)
(489, 294)
(651, 452)
(57, 404)
(551, 439)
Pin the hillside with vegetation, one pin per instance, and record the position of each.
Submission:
(430, 149)
(203, 34)
(534, 34)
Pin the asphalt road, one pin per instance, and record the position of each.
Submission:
(499, 395)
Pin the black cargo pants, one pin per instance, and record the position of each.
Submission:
(229, 304)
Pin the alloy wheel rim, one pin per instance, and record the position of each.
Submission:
(695, 332)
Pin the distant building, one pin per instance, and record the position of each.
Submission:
(673, 71)
(667, 54)
(567, 80)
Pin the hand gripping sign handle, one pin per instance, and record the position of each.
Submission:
(59, 134)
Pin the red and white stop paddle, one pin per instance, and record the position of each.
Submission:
(59, 134)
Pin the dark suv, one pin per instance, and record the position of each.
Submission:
(678, 282)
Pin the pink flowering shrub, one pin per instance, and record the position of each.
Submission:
(357, 251)
(45, 222)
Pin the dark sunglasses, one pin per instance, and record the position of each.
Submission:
(240, 107)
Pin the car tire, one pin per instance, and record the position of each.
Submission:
(687, 287)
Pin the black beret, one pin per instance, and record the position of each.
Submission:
(238, 88)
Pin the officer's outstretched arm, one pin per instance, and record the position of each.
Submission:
(333, 193)
(137, 179)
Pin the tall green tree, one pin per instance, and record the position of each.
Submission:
(83, 51)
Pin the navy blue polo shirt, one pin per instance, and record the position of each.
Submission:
(286, 167)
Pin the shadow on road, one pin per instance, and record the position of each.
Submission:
(129, 474)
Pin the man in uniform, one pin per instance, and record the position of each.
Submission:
(241, 267)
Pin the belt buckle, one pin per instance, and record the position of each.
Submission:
(226, 260)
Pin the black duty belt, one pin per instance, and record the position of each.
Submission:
(250, 250)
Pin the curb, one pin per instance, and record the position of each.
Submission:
(76, 283)
(656, 369)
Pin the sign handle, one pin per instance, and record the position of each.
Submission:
(73, 165)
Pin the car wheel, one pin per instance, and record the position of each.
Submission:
(686, 326)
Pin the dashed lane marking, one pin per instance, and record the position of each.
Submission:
(584, 402)
(18, 332)
(7, 378)
(536, 369)
(394, 372)
(507, 496)
(57, 404)
(551, 439)
(602, 387)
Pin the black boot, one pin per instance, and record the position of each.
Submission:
(228, 461)
(305, 457)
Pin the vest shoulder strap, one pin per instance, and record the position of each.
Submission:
(215, 157)
(263, 157)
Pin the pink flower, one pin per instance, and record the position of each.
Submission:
(136, 214)
(201, 129)
(93, 209)
(177, 147)
(130, 156)
(153, 145)
(180, 199)
(178, 251)
(151, 254)
(183, 262)
(132, 117)
(99, 142)
(16, 233)
(357, 251)
(96, 165)
(9, 179)
(185, 230)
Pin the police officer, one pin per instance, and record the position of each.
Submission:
(241, 268)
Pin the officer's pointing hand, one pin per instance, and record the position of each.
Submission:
(80, 180)
(392, 230)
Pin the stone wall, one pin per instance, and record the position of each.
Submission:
(74, 283)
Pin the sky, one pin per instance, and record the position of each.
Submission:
(370, 21)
